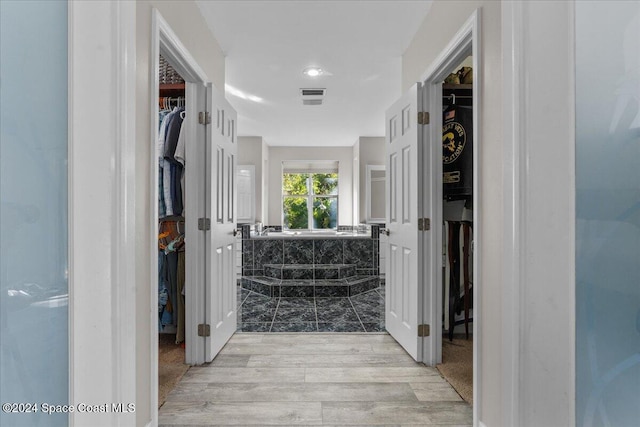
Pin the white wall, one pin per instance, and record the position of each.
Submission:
(344, 156)
(265, 182)
(356, 182)
(250, 153)
(371, 152)
(186, 21)
(438, 28)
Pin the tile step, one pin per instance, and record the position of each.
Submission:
(273, 287)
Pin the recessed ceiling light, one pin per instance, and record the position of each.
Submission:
(312, 71)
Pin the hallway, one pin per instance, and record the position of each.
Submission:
(313, 379)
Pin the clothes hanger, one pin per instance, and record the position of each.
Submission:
(452, 104)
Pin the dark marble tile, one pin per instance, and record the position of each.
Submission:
(254, 315)
(375, 231)
(242, 295)
(328, 251)
(246, 231)
(336, 314)
(348, 271)
(295, 315)
(247, 254)
(267, 251)
(376, 253)
(254, 327)
(371, 299)
(258, 301)
(248, 272)
(273, 271)
(369, 314)
(375, 327)
(297, 273)
(258, 287)
(326, 272)
(363, 286)
(381, 291)
(367, 272)
(287, 291)
(327, 303)
(294, 327)
(298, 251)
(325, 291)
(359, 252)
(369, 306)
(297, 303)
(340, 327)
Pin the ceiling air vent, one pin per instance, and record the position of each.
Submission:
(312, 96)
(313, 92)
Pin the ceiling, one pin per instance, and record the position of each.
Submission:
(268, 44)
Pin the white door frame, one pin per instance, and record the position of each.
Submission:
(466, 42)
(538, 305)
(165, 41)
(101, 171)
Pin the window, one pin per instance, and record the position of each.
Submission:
(309, 200)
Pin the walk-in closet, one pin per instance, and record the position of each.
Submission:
(457, 235)
(171, 192)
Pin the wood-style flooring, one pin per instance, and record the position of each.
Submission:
(314, 379)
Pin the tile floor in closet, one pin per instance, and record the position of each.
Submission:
(359, 313)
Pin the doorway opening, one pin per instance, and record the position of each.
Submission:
(177, 169)
(454, 203)
(171, 229)
(457, 229)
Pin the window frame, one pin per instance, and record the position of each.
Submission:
(310, 196)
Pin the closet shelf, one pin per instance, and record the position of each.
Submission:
(172, 89)
(446, 86)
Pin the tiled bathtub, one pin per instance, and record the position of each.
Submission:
(361, 252)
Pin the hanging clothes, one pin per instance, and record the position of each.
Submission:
(171, 275)
(170, 197)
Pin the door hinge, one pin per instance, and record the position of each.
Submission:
(204, 330)
(424, 224)
(423, 118)
(204, 117)
(204, 224)
(424, 330)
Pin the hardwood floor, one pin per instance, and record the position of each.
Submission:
(314, 379)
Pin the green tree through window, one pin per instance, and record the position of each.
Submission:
(310, 200)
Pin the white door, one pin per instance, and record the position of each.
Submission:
(404, 204)
(220, 282)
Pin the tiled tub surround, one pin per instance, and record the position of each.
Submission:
(336, 266)
(311, 284)
(359, 251)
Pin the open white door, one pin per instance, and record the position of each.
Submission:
(404, 204)
(220, 283)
